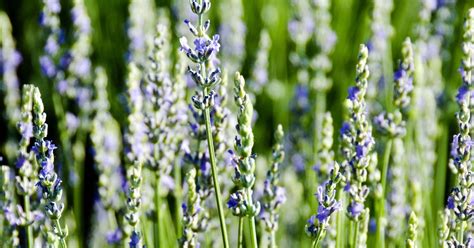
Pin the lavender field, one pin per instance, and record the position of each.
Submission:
(237, 123)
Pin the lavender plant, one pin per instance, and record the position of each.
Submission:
(241, 201)
(328, 204)
(206, 78)
(138, 143)
(141, 30)
(273, 194)
(260, 68)
(233, 32)
(321, 64)
(105, 136)
(49, 182)
(27, 171)
(393, 126)
(357, 143)
(380, 49)
(191, 213)
(460, 198)
(78, 80)
(9, 232)
(412, 231)
(10, 58)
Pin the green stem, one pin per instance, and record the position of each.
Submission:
(144, 226)
(62, 242)
(355, 234)
(311, 179)
(380, 237)
(177, 196)
(253, 229)
(273, 239)
(29, 228)
(240, 239)
(440, 177)
(67, 158)
(318, 238)
(210, 143)
(157, 236)
(340, 227)
(461, 233)
(253, 232)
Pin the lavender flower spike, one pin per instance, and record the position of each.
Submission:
(7, 197)
(328, 204)
(273, 194)
(10, 58)
(357, 141)
(206, 75)
(244, 176)
(412, 231)
(191, 213)
(49, 182)
(460, 199)
(137, 141)
(105, 136)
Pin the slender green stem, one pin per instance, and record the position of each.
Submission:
(253, 229)
(210, 143)
(340, 219)
(240, 237)
(29, 228)
(177, 195)
(440, 176)
(62, 242)
(311, 179)
(388, 77)
(217, 189)
(253, 232)
(461, 233)
(273, 239)
(318, 238)
(386, 161)
(356, 234)
(380, 237)
(157, 236)
(144, 226)
(67, 158)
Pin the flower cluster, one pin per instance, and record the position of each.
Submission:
(233, 31)
(192, 219)
(356, 139)
(10, 58)
(412, 231)
(241, 202)
(27, 172)
(325, 154)
(461, 197)
(260, 68)
(393, 124)
(105, 134)
(325, 39)
(8, 220)
(206, 76)
(51, 62)
(379, 63)
(158, 102)
(140, 31)
(328, 204)
(273, 194)
(49, 182)
(138, 143)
